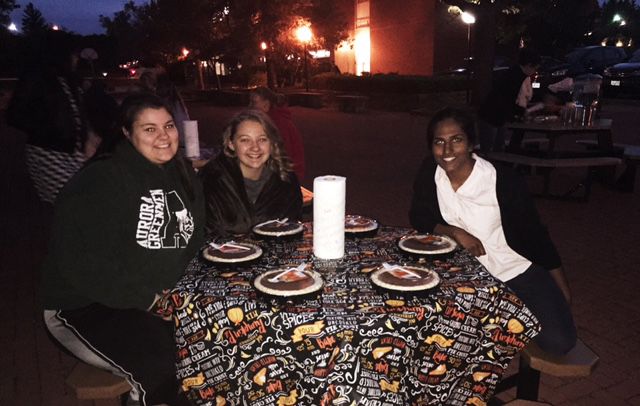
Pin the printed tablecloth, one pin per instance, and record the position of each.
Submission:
(352, 344)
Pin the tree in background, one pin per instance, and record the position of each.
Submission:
(553, 27)
(6, 7)
(223, 30)
(127, 31)
(619, 21)
(33, 23)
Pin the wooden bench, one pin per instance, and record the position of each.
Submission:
(352, 103)
(579, 362)
(548, 164)
(631, 155)
(90, 383)
(535, 143)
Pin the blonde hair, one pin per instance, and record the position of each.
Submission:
(278, 161)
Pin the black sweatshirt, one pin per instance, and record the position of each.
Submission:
(124, 229)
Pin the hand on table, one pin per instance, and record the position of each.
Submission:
(162, 306)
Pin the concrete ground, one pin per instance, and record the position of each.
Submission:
(379, 153)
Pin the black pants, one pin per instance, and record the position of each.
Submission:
(537, 289)
(131, 343)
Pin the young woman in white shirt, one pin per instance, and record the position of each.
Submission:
(489, 212)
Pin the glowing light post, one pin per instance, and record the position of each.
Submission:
(468, 19)
(304, 35)
(264, 47)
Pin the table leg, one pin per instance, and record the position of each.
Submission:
(627, 180)
(605, 141)
(528, 382)
(515, 143)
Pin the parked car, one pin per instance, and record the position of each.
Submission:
(593, 59)
(623, 78)
(550, 71)
(579, 62)
(500, 64)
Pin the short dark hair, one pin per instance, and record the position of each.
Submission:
(276, 99)
(528, 56)
(134, 104)
(462, 117)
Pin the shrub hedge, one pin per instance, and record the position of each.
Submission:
(388, 83)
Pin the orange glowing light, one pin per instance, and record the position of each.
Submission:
(304, 34)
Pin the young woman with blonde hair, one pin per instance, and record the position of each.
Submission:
(252, 180)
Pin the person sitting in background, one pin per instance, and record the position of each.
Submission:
(47, 106)
(489, 212)
(102, 117)
(251, 181)
(267, 101)
(124, 229)
(506, 101)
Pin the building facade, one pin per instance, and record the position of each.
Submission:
(412, 37)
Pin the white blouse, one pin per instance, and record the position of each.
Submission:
(474, 208)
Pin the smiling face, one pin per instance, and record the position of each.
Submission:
(451, 149)
(252, 147)
(154, 135)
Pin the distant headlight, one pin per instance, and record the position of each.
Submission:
(607, 72)
(561, 72)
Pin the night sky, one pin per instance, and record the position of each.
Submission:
(80, 16)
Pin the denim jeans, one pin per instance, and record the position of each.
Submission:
(540, 293)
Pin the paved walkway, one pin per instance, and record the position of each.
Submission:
(379, 153)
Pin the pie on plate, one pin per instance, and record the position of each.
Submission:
(288, 282)
(405, 278)
(232, 252)
(358, 224)
(427, 244)
(278, 228)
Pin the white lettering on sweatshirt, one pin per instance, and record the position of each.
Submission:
(163, 221)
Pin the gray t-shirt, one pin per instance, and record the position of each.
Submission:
(254, 187)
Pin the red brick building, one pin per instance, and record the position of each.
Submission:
(412, 37)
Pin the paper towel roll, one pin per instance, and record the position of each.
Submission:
(191, 140)
(328, 216)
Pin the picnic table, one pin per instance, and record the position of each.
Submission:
(552, 129)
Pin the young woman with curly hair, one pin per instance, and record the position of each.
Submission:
(252, 180)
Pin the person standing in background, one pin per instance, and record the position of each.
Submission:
(507, 100)
(267, 101)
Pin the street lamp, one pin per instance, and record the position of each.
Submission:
(304, 35)
(264, 47)
(468, 19)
